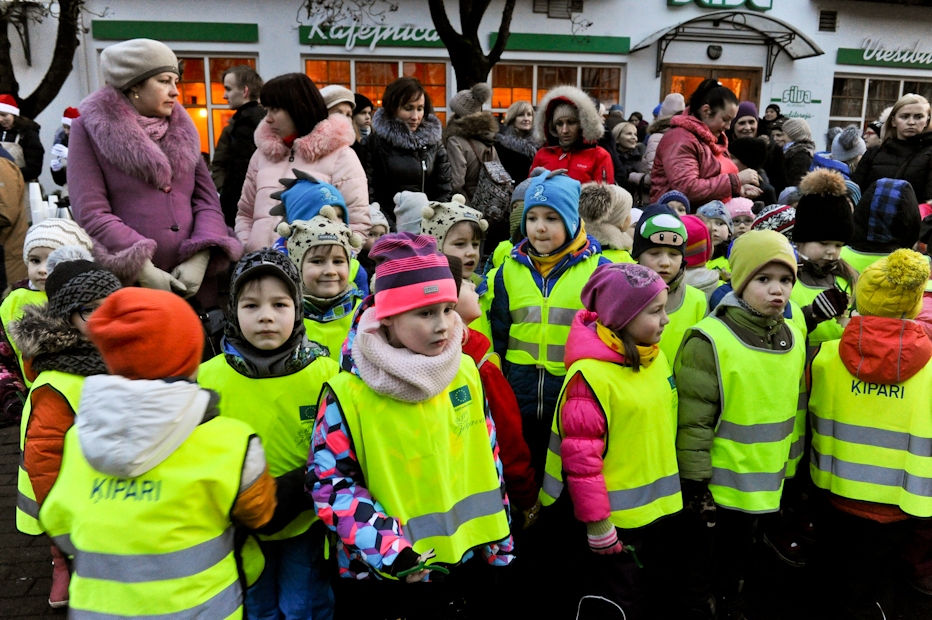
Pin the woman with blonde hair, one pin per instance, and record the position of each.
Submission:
(630, 152)
(515, 141)
(905, 151)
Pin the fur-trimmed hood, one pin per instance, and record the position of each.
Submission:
(396, 133)
(50, 342)
(328, 135)
(480, 126)
(509, 138)
(659, 125)
(112, 123)
(590, 121)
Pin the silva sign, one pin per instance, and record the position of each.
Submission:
(874, 53)
(796, 102)
(756, 5)
(352, 34)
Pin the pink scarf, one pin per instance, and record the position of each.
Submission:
(155, 126)
(400, 373)
(699, 129)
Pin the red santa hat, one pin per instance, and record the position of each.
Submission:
(70, 115)
(8, 105)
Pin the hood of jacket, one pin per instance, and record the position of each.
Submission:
(509, 138)
(584, 342)
(884, 350)
(800, 146)
(480, 126)
(328, 135)
(111, 121)
(590, 122)
(659, 125)
(701, 131)
(49, 342)
(129, 440)
(396, 133)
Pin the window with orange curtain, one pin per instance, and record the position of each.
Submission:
(327, 72)
(529, 82)
(512, 83)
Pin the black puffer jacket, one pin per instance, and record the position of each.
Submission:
(232, 155)
(885, 161)
(397, 159)
(515, 153)
(33, 151)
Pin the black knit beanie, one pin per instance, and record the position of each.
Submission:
(823, 212)
(749, 151)
(75, 283)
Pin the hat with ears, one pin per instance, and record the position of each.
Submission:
(659, 227)
(322, 229)
(617, 292)
(69, 116)
(304, 196)
(377, 218)
(471, 100)
(823, 212)
(8, 105)
(335, 94)
(439, 217)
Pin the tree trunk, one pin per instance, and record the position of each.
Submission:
(8, 83)
(66, 42)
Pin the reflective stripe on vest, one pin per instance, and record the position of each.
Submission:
(692, 309)
(27, 509)
(755, 431)
(871, 442)
(429, 464)
(12, 309)
(331, 334)
(281, 410)
(174, 556)
(540, 325)
(641, 477)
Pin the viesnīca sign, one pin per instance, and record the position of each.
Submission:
(873, 53)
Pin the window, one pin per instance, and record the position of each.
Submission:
(370, 77)
(511, 83)
(860, 100)
(558, 9)
(200, 91)
(828, 21)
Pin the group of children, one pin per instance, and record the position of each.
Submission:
(581, 411)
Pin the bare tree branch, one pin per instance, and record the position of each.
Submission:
(504, 31)
(66, 42)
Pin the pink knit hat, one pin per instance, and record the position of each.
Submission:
(698, 241)
(739, 206)
(617, 292)
(409, 274)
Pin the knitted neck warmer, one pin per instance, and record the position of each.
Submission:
(400, 373)
(321, 306)
(613, 342)
(155, 126)
(286, 360)
(82, 359)
(546, 262)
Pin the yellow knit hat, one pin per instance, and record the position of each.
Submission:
(755, 249)
(893, 286)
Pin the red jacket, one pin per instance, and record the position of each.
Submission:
(686, 161)
(513, 450)
(590, 163)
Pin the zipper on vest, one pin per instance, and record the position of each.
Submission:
(423, 173)
(541, 373)
(291, 159)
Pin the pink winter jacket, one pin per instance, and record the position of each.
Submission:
(324, 153)
(686, 161)
(584, 424)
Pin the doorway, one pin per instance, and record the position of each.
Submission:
(745, 82)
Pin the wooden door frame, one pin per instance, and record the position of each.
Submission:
(755, 74)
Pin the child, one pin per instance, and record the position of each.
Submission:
(536, 295)
(660, 245)
(616, 422)
(269, 376)
(676, 201)
(867, 429)
(58, 356)
(718, 219)
(504, 248)
(606, 211)
(378, 228)
(404, 464)
(742, 215)
(698, 253)
(151, 476)
(321, 249)
(823, 227)
(886, 219)
(734, 438)
(458, 230)
(303, 198)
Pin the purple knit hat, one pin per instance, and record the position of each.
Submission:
(409, 274)
(746, 108)
(617, 292)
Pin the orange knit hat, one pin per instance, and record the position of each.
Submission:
(147, 334)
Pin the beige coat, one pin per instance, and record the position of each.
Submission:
(13, 220)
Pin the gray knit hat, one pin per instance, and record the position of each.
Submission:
(797, 129)
(848, 145)
(76, 283)
(130, 62)
(467, 102)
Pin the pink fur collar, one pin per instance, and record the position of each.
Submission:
(701, 131)
(111, 121)
(327, 136)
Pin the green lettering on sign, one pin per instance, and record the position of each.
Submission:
(352, 35)
(756, 5)
(875, 54)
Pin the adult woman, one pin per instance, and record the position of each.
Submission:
(906, 150)
(469, 138)
(405, 149)
(745, 123)
(298, 134)
(871, 133)
(138, 183)
(20, 137)
(570, 126)
(630, 153)
(693, 155)
(771, 115)
(673, 105)
(515, 141)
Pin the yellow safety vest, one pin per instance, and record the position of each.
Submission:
(871, 441)
(804, 295)
(719, 264)
(641, 475)
(12, 309)
(429, 464)
(331, 334)
(158, 545)
(502, 251)
(755, 430)
(799, 429)
(281, 410)
(69, 387)
(860, 260)
(540, 322)
(618, 256)
(693, 309)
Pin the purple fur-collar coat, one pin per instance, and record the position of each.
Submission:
(140, 199)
